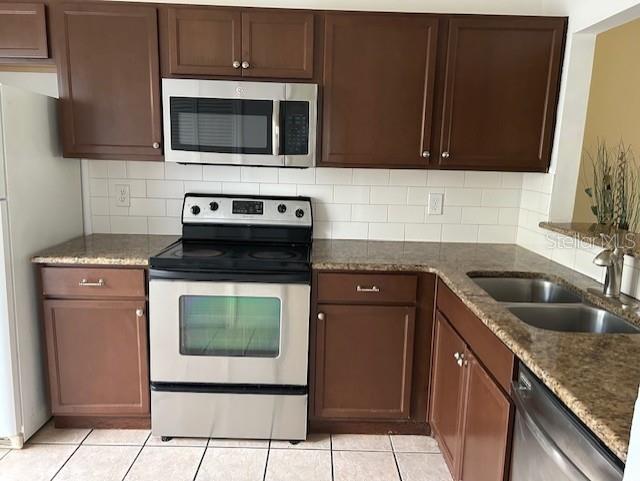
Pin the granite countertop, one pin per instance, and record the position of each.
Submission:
(596, 376)
(106, 249)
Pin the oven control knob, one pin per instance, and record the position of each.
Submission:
(282, 208)
(195, 210)
(214, 206)
(299, 213)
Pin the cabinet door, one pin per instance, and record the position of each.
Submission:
(204, 41)
(97, 356)
(109, 78)
(364, 357)
(277, 44)
(378, 89)
(23, 30)
(501, 92)
(486, 426)
(447, 391)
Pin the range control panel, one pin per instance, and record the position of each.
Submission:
(216, 209)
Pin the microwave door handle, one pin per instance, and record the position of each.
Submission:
(275, 128)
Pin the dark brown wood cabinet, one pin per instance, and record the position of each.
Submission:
(23, 30)
(447, 389)
(378, 78)
(471, 414)
(109, 80)
(96, 336)
(500, 92)
(370, 344)
(218, 41)
(364, 361)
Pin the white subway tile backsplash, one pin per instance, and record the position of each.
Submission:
(501, 198)
(408, 177)
(115, 209)
(482, 179)
(175, 171)
(128, 225)
(459, 233)
(423, 232)
(349, 230)
(462, 197)
(508, 216)
(166, 189)
(368, 213)
(297, 176)
(334, 176)
(331, 212)
(420, 195)
(174, 208)
(259, 174)
(221, 173)
(99, 205)
(370, 176)
(278, 189)
(240, 188)
(145, 170)
(450, 215)
(321, 229)
(407, 213)
(386, 231)
(148, 207)
(497, 234)
(445, 178)
(388, 195)
(98, 187)
(202, 187)
(137, 187)
(351, 194)
(100, 224)
(512, 180)
(164, 226)
(480, 215)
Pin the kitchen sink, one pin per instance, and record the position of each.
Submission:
(518, 289)
(572, 318)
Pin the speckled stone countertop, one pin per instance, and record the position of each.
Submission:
(595, 375)
(595, 234)
(106, 249)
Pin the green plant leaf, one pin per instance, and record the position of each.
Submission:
(589, 191)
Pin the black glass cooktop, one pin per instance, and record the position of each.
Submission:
(231, 256)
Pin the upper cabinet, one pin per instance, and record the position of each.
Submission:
(109, 80)
(23, 30)
(500, 92)
(379, 72)
(217, 41)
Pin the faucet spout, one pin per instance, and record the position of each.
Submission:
(613, 260)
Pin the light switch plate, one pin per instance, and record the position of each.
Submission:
(436, 200)
(123, 199)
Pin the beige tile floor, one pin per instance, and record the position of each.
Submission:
(135, 455)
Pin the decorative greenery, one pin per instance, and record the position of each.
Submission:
(615, 191)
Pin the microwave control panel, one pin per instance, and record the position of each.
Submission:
(294, 117)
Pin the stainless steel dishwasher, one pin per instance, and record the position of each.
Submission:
(550, 444)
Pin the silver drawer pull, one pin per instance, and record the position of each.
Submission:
(86, 283)
(368, 289)
(139, 312)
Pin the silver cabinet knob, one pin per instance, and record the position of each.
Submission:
(245, 64)
(426, 154)
(321, 316)
(139, 312)
(156, 145)
(236, 64)
(459, 359)
(445, 155)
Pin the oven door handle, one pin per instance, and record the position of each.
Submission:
(275, 128)
(539, 433)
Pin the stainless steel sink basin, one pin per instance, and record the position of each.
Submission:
(517, 289)
(573, 318)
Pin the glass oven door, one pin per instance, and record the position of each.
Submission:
(226, 332)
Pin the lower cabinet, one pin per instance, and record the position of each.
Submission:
(97, 347)
(370, 344)
(471, 413)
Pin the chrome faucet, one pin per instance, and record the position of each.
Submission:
(613, 259)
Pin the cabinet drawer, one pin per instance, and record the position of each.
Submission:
(92, 282)
(367, 288)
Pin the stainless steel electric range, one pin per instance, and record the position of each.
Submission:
(229, 320)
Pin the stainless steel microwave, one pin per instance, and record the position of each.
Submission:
(239, 123)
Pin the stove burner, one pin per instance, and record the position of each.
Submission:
(272, 255)
(198, 253)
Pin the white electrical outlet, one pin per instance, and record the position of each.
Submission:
(436, 200)
(123, 198)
